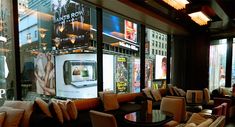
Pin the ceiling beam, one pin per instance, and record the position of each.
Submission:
(220, 12)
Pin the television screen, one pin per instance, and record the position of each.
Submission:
(130, 31)
(76, 78)
(79, 71)
(160, 67)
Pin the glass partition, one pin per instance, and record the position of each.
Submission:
(58, 49)
(217, 69)
(233, 64)
(155, 59)
(7, 57)
(121, 58)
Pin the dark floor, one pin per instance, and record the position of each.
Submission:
(231, 122)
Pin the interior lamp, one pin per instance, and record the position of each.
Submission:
(42, 32)
(61, 28)
(177, 4)
(72, 38)
(200, 18)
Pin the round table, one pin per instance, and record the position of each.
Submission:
(142, 119)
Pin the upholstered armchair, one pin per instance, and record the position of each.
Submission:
(100, 119)
(175, 106)
(208, 102)
(194, 100)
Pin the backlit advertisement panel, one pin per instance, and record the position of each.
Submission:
(76, 78)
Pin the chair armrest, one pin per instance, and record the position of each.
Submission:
(220, 100)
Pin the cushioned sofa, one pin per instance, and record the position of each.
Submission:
(32, 114)
(127, 103)
(177, 106)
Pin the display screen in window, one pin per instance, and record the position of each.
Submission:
(79, 71)
(71, 24)
(76, 75)
(160, 67)
(130, 31)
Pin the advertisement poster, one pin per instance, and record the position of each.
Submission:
(121, 75)
(130, 31)
(160, 67)
(136, 76)
(76, 78)
(44, 74)
(108, 74)
(148, 72)
(71, 23)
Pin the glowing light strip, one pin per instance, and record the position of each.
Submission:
(200, 18)
(177, 4)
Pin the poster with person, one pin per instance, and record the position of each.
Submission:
(121, 75)
(44, 74)
(136, 76)
(160, 67)
(130, 31)
(71, 23)
(148, 72)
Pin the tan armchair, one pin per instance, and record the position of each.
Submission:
(176, 106)
(100, 119)
(209, 104)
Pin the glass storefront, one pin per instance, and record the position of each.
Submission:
(155, 59)
(58, 49)
(217, 69)
(58, 56)
(233, 64)
(121, 54)
(7, 51)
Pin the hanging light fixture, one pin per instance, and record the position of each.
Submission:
(72, 38)
(42, 32)
(57, 42)
(61, 28)
(200, 18)
(177, 4)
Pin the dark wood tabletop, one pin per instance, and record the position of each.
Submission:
(142, 119)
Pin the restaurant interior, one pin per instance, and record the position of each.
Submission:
(117, 63)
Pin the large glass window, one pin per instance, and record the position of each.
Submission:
(217, 68)
(121, 61)
(155, 62)
(233, 64)
(58, 49)
(7, 58)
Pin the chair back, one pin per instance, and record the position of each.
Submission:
(100, 119)
(176, 106)
(194, 96)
